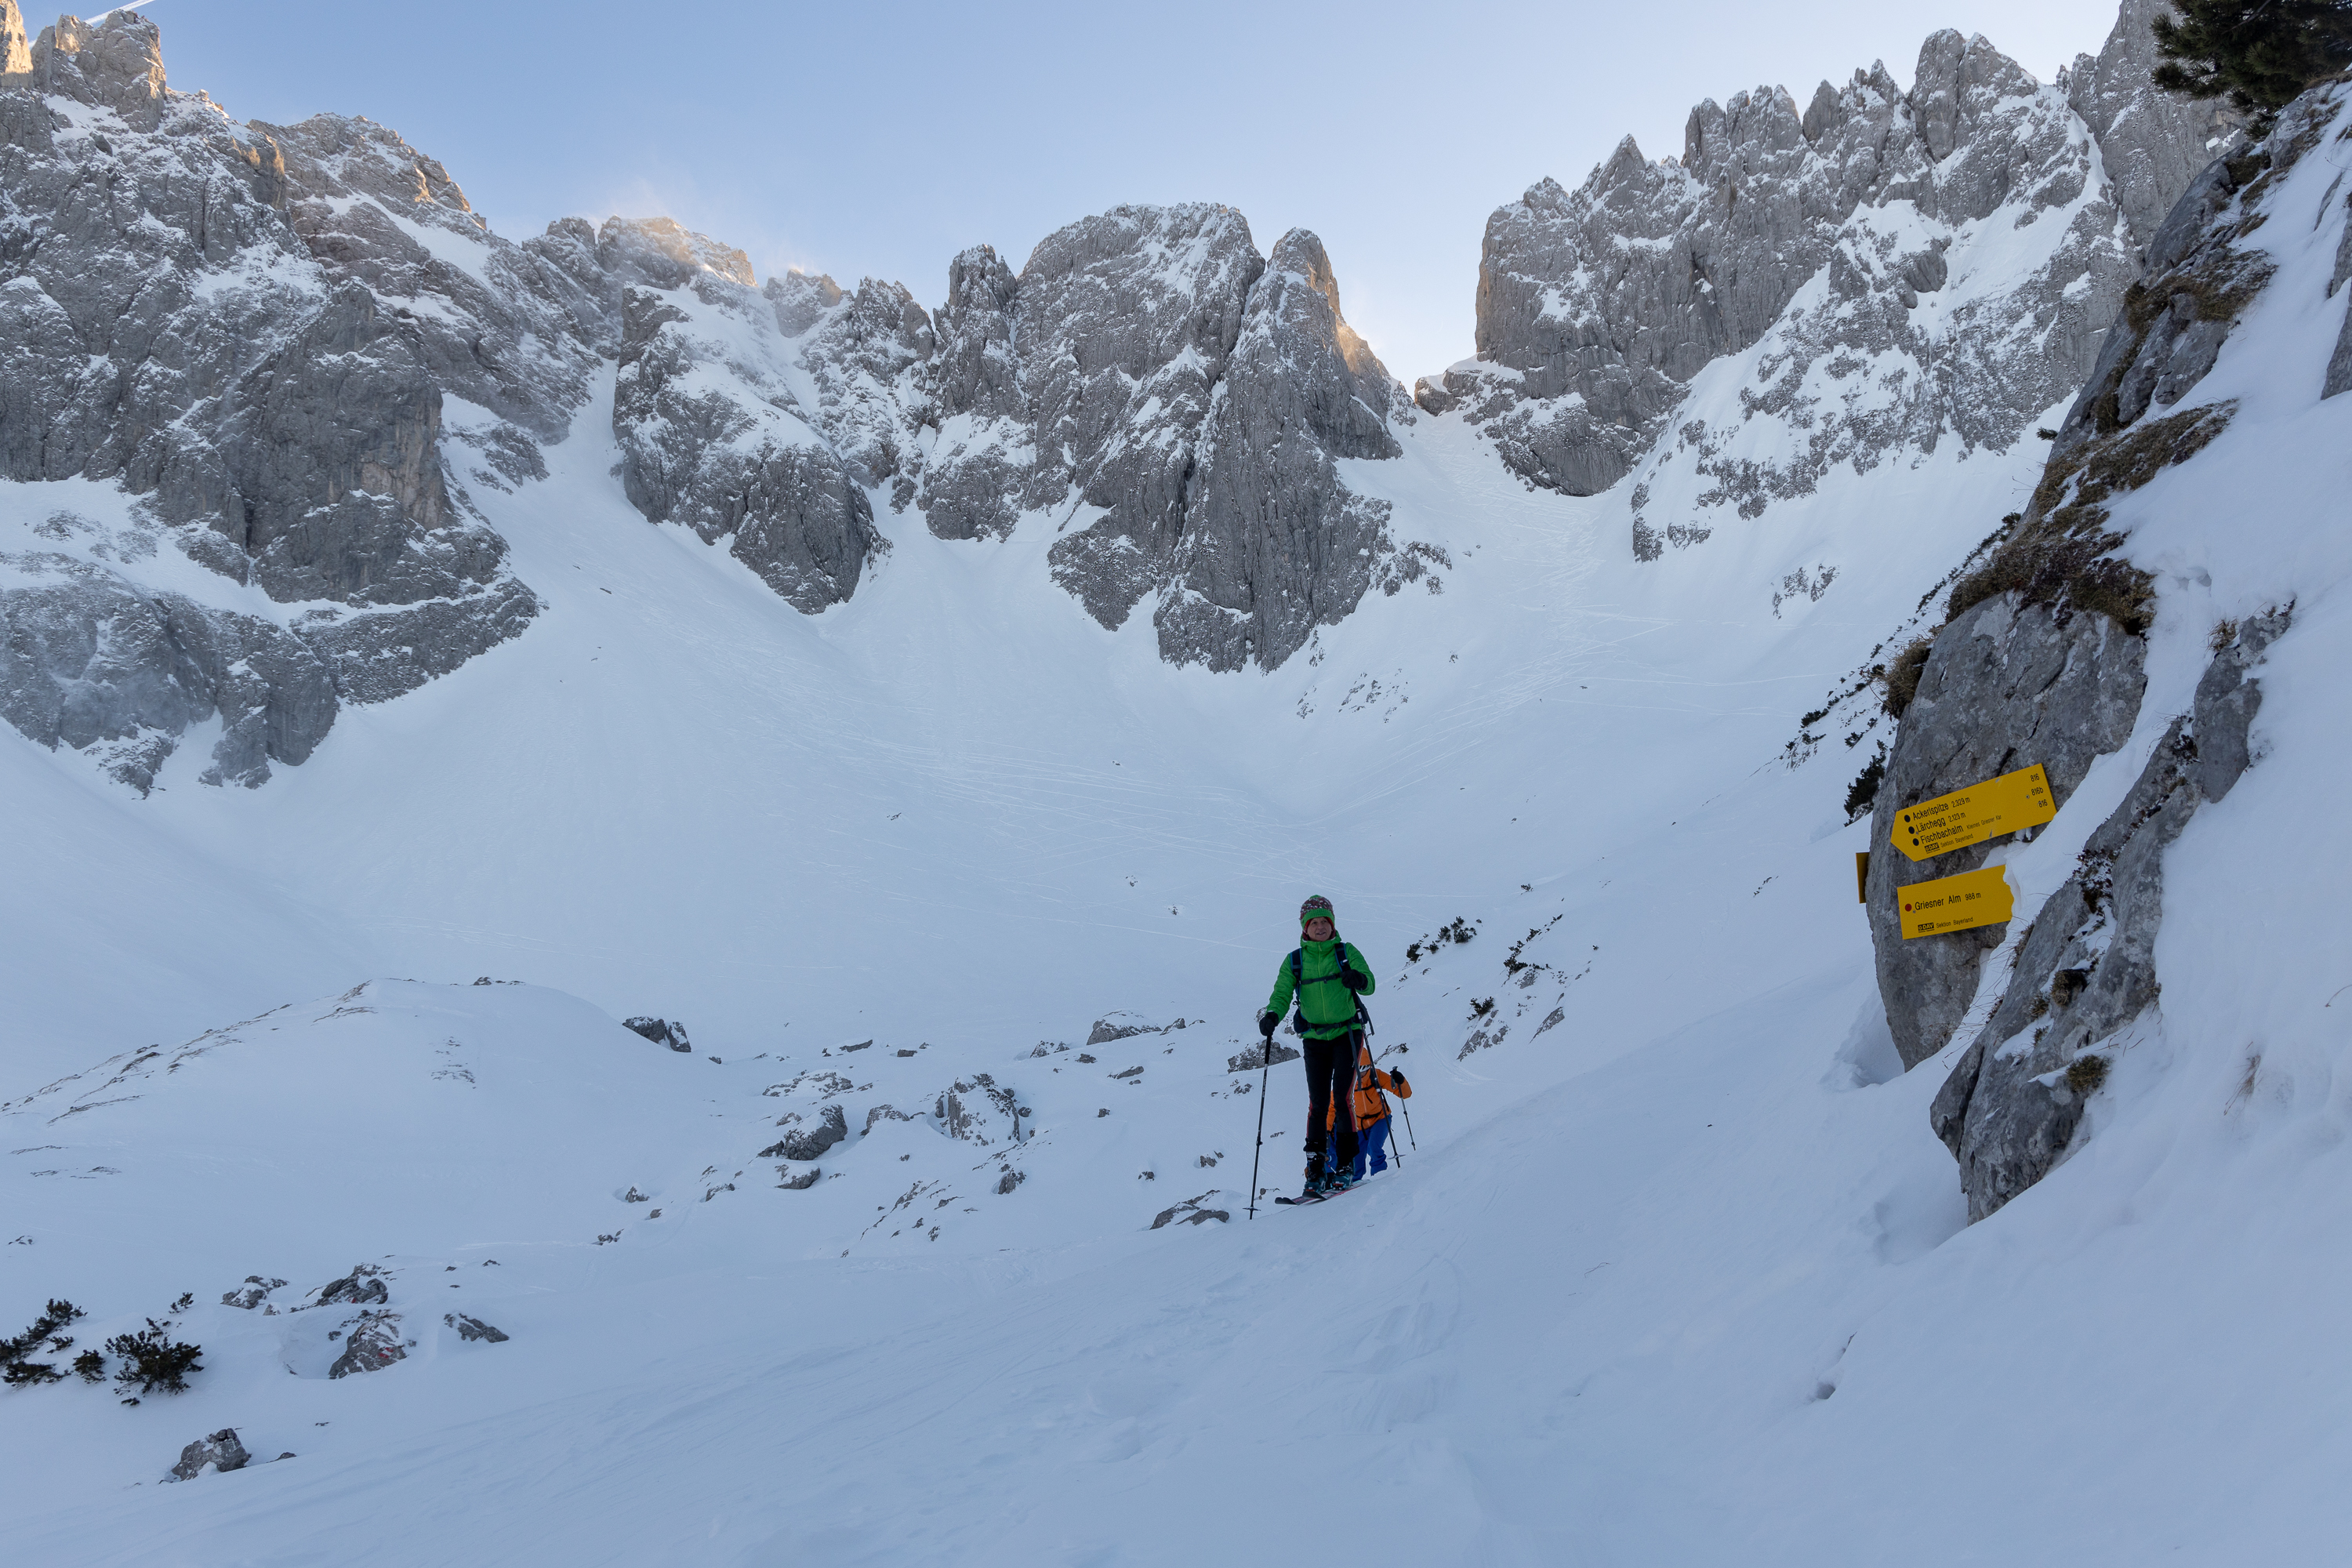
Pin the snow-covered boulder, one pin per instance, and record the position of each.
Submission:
(216, 1455)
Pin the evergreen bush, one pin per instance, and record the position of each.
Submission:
(2261, 53)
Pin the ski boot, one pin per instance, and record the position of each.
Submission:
(1317, 1182)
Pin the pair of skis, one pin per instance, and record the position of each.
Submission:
(1303, 1199)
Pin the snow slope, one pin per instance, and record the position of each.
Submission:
(1681, 1278)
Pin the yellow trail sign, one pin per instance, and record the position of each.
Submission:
(1955, 903)
(1973, 815)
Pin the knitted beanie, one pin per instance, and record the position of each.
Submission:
(1316, 907)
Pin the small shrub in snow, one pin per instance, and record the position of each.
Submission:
(151, 1359)
(18, 1370)
(1902, 676)
(2085, 1074)
(1461, 931)
(1863, 792)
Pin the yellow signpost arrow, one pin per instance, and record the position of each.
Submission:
(1955, 903)
(1973, 815)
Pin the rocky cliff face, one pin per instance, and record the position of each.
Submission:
(1176, 404)
(1899, 269)
(2043, 660)
(710, 433)
(304, 356)
(251, 330)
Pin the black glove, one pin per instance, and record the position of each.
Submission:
(1266, 1023)
(1397, 1079)
(1354, 981)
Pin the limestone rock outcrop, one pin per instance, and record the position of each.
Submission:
(2043, 660)
(2152, 144)
(2007, 685)
(1176, 403)
(2087, 968)
(219, 1454)
(710, 433)
(249, 330)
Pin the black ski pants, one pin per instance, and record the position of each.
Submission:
(1331, 1081)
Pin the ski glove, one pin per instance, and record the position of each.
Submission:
(1353, 980)
(1266, 1023)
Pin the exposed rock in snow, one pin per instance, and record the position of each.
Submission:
(972, 1109)
(470, 1328)
(1118, 1026)
(252, 1293)
(2007, 685)
(1863, 255)
(803, 1181)
(1192, 1211)
(217, 1454)
(1271, 1053)
(660, 1031)
(372, 1341)
(809, 1142)
(2088, 965)
(363, 1284)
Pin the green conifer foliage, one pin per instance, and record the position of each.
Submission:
(2262, 53)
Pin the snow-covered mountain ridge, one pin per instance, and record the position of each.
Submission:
(1175, 410)
(1840, 286)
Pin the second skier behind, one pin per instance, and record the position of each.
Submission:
(1374, 1086)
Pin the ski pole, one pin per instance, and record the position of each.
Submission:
(1265, 1066)
(1408, 1113)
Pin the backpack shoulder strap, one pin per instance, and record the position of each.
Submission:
(1298, 970)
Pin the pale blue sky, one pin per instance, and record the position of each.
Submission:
(883, 139)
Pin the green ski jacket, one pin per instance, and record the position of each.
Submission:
(1329, 1007)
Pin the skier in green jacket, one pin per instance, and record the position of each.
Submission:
(1326, 976)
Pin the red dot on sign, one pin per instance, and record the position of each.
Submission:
(1907, 907)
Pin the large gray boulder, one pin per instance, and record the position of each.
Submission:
(809, 1142)
(2086, 969)
(2007, 685)
(372, 1341)
(219, 1453)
